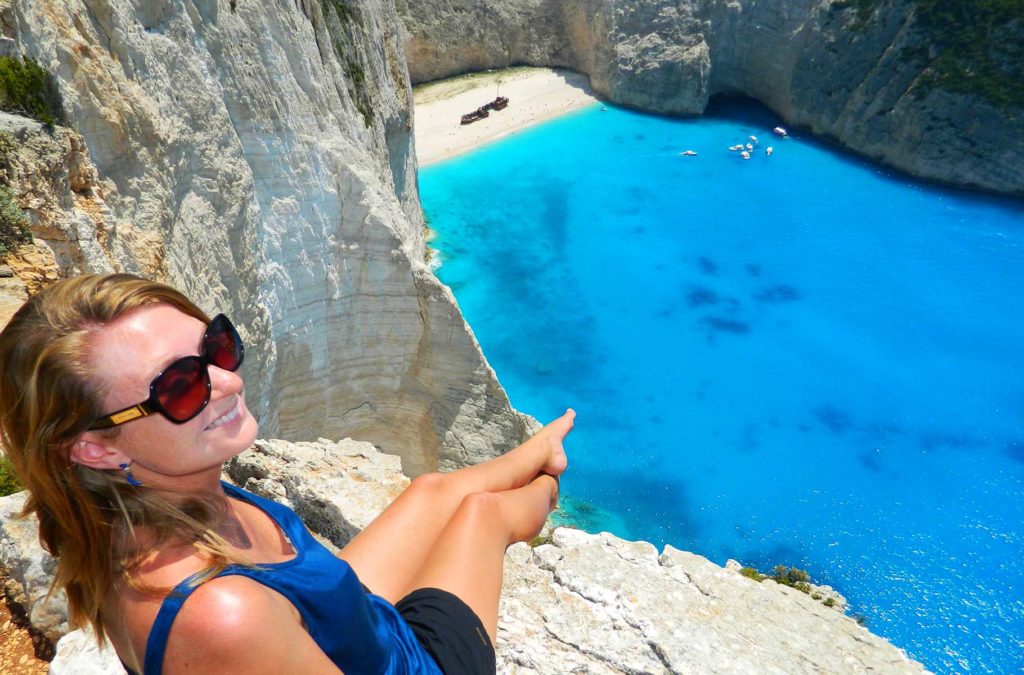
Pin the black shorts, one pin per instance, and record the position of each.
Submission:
(450, 631)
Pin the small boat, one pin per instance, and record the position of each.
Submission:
(499, 103)
(688, 153)
(768, 151)
(735, 147)
(749, 147)
(475, 116)
(745, 155)
(780, 132)
(753, 139)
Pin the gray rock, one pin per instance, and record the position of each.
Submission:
(598, 604)
(30, 570)
(809, 60)
(79, 654)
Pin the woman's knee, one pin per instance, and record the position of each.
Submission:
(481, 507)
(429, 485)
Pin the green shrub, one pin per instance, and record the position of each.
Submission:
(962, 46)
(751, 573)
(13, 223)
(829, 602)
(27, 89)
(540, 540)
(792, 577)
(975, 47)
(9, 483)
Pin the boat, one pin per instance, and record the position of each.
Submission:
(735, 147)
(753, 139)
(780, 132)
(688, 153)
(768, 151)
(499, 103)
(749, 147)
(745, 155)
(475, 116)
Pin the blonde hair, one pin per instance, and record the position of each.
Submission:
(49, 396)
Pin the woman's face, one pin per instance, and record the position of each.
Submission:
(128, 353)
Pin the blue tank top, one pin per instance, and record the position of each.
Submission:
(359, 631)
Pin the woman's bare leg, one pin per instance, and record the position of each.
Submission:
(469, 555)
(392, 549)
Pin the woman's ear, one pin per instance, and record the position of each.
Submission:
(96, 452)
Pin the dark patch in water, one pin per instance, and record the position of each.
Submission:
(1015, 449)
(774, 422)
(707, 265)
(837, 421)
(638, 230)
(869, 462)
(720, 325)
(935, 440)
(778, 293)
(803, 428)
(754, 270)
(749, 441)
(700, 296)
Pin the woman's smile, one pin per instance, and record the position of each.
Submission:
(233, 413)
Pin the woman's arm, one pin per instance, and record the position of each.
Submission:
(234, 625)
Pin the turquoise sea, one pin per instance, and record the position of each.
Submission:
(800, 359)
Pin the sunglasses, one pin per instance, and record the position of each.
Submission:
(183, 389)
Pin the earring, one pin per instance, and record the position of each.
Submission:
(132, 480)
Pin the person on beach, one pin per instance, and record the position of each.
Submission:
(120, 400)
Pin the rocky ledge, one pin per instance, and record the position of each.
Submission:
(581, 603)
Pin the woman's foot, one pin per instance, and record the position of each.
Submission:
(551, 438)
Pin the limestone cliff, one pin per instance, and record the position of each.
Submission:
(580, 603)
(871, 74)
(258, 155)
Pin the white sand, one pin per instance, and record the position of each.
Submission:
(535, 95)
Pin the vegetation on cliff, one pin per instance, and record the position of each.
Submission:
(13, 223)
(8, 480)
(963, 46)
(14, 229)
(28, 89)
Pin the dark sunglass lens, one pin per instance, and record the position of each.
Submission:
(183, 390)
(223, 345)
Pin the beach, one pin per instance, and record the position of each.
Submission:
(535, 95)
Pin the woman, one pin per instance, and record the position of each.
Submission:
(120, 401)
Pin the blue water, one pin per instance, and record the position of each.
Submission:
(800, 359)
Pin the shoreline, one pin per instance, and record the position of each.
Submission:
(535, 95)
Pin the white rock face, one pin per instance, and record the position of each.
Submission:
(598, 604)
(79, 654)
(258, 156)
(30, 570)
(811, 61)
(581, 604)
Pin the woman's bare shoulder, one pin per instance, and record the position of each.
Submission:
(235, 624)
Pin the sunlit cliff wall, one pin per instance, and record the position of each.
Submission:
(259, 156)
(911, 83)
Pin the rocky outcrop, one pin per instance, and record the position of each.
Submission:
(259, 157)
(823, 65)
(581, 603)
(29, 570)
